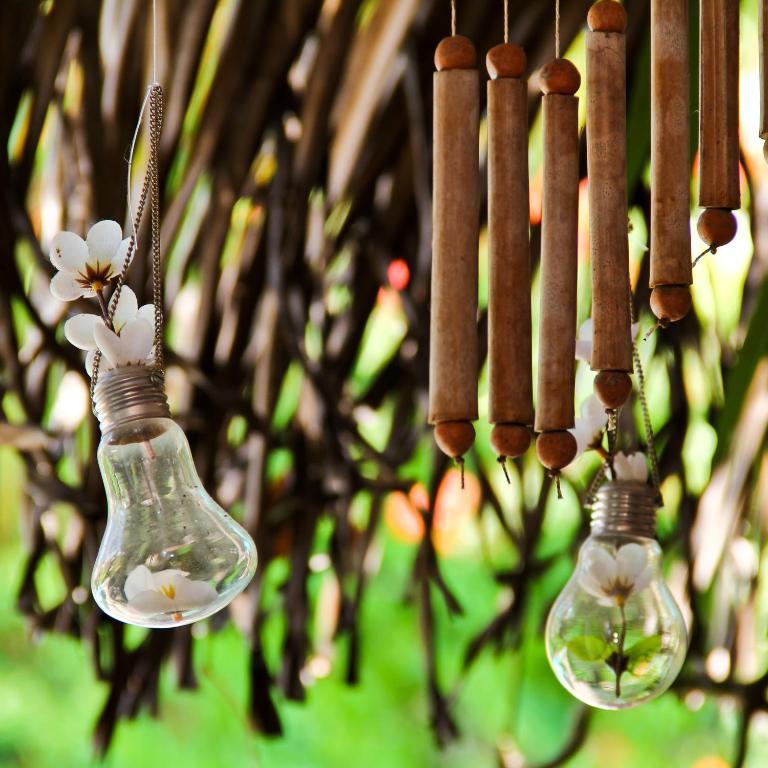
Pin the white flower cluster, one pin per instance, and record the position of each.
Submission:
(84, 269)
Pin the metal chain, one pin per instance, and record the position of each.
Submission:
(155, 125)
(649, 441)
(612, 430)
(150, 188)
(597, 481)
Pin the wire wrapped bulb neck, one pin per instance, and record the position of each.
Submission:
(129, 393)
(625, 507)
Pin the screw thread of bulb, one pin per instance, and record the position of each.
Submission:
(129, 393)
(625, 507)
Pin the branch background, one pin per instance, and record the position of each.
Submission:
(391, 614)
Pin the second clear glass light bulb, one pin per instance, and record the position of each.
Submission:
(615, 636)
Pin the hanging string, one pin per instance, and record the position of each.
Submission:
(453, 17)
(503, 461)
(154, 42)
(506, 31)
(557, 29)
(150, 187)
(710, 249)
(129, 185)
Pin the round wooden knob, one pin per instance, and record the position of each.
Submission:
(612, 388)
(505, 60)
(556, 449)
(454, 438)
(456, 52)
(670, 303)
(560, 76)
(607, 16)
(510, 439)
(717, 226)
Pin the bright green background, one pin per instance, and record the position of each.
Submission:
(49, 698)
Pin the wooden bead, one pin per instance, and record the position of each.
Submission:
(556, 449)
(607, 16)
(717, 226)
(454, 438)
(612, 388)
(505, 60)
(560, 76)
(456, 52)
(670, 303)
(510, 439)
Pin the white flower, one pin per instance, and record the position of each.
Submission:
(86, 266)
(168, 591)
(632, 466)
(590, 424)
(584, 340)
(612, 579)
(129, 344)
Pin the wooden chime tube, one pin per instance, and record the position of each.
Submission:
(453, 360)
(555, 446)
(763, 34)
(509, 301)
(671, 272)
(608, 233)
(719, 121)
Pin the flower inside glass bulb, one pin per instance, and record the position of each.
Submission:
(615, 635)
(170, 554)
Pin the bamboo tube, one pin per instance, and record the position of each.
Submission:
(559, 254)
(718, 121)
(453, 359)
(764, 75)
(607, 168)
(671, 271)
(719, 108)
(509, 302)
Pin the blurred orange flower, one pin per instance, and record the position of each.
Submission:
(398, 274)
(454, 507)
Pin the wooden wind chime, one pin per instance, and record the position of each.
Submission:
(607, 172)
(510, 405)
(718, 121)
(453, 359)
(763, 34)
(671, 268)
(555, 445)
(454, 340)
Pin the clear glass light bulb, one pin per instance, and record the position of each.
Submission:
(170, 554)
(615, 636)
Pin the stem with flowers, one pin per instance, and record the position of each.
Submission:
(620, 663)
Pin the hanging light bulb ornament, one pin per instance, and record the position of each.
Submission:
(718, 122)
(454, 353)
(615, 636)
(510, 406)
(671, 270)
(170, 555)
(555, 445)
(607, 169)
